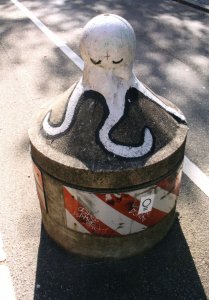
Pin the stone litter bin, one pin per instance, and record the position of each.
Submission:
(108, 153)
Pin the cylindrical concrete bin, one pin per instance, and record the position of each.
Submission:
(108, 152)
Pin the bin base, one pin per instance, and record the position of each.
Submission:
(113, 247)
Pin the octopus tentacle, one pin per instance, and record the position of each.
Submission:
(122, 150)
(113, 118)
(54, 130)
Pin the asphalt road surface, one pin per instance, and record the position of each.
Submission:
(172, 58)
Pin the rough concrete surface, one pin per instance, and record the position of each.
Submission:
(172, 59)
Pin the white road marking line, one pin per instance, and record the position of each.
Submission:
(196, 175)
(3, 256)
(6, 286)
(54, 38)
(190, 169)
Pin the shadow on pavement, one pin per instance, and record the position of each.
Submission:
(165, 272)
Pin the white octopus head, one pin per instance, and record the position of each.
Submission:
(108, 43)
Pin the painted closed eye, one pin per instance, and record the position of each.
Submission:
(117, 62)
(95, 62)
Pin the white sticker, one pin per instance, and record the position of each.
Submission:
(146, 202)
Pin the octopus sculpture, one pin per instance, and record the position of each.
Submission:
(108, 48)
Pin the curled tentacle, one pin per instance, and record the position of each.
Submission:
(122, 150)
(55, 130)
